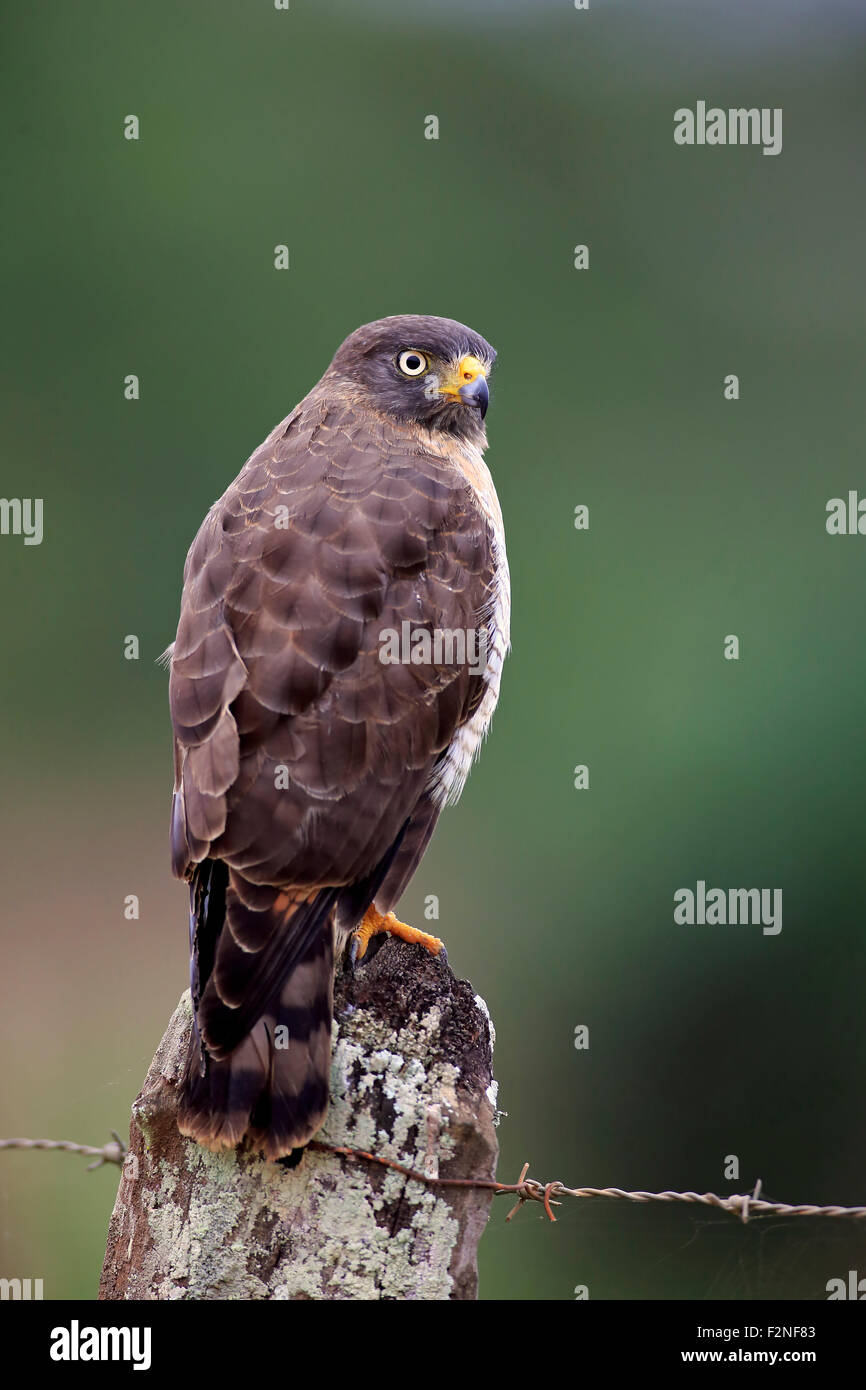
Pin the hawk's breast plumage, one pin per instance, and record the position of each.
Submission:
(309, 772)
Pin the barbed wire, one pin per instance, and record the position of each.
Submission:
(526, 1189)
(530, 1190)
(114, 1152)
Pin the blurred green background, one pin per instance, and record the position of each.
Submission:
(155, 257)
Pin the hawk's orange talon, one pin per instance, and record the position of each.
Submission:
(375, 922)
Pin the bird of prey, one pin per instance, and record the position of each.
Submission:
(311, 767)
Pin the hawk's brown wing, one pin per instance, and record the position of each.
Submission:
(301, 758)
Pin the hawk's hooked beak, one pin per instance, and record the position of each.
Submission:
(469, 384)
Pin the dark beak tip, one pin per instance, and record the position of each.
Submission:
(477, 394)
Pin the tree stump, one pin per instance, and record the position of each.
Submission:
(411, 1081)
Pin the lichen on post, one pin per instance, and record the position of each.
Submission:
(411, 1081)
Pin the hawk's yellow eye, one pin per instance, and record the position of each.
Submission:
(412, 363)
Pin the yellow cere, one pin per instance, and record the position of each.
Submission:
(468, 368)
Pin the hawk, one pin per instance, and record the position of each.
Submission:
(311, 764)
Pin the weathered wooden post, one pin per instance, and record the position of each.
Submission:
(411, 1081)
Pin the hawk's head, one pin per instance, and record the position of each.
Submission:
(416, 367)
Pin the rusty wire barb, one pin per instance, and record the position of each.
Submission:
(526, 1189)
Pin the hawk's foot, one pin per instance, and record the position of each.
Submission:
(375, 922)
